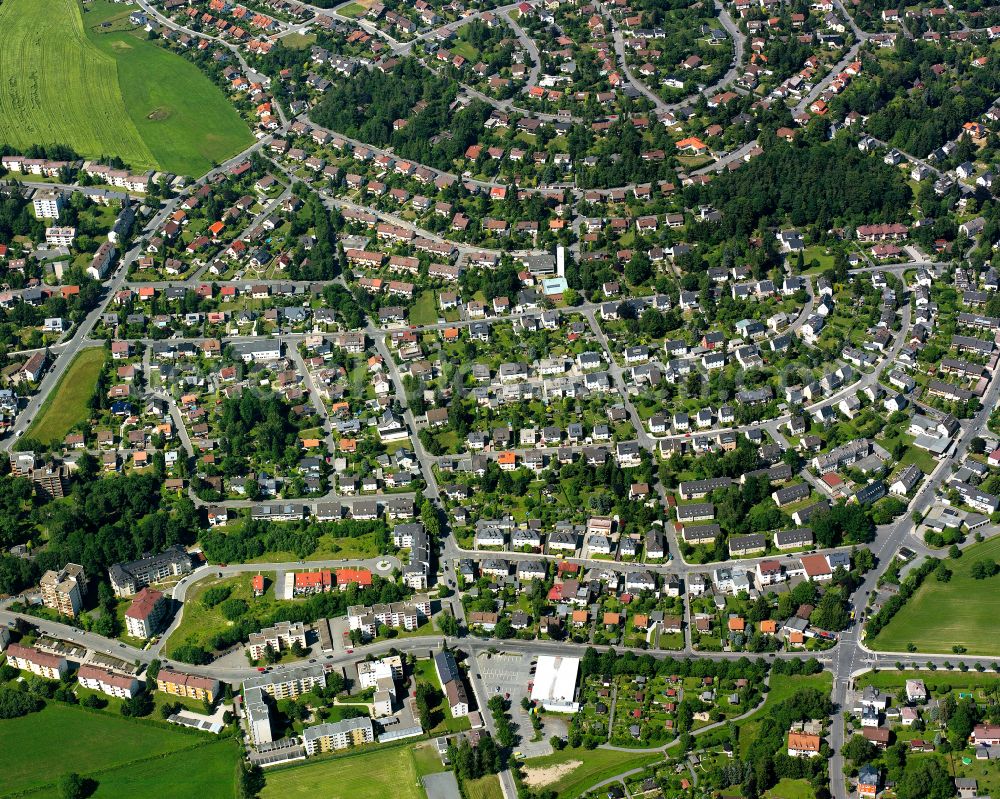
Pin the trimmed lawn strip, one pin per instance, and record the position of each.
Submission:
(67, 404)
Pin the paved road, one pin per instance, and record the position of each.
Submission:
(80, 339)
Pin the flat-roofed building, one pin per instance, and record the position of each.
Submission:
(555, 683)
(63, 590)
(332, 736)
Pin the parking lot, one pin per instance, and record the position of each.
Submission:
(510, 674)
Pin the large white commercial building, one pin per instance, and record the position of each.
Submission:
(555, 683)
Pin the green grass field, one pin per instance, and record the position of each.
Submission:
(373, 774)
(594, 766)
(485, 788)
(791, 789)
(66, 406)
(352, 10)
(424, 310)
(199, 624)
(204, 772)
(67, 82)
(298, 41)
(61, 739)
(58, 88)
(961, 612)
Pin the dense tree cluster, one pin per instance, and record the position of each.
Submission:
(252, 538)
(767, 760)
(918, 121)
(820, 185)
(259, 425)
(367, 106)
(105, 521)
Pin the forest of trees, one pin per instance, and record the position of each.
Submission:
(821, 185)
(103, 521)
(920, 121)
(252, 539)
(258, 425)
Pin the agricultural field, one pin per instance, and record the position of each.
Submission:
(940, 616)
(369, 774)
(205, 772)
(185, 120)
(67, 82)
(66, 405)
(58, 88)
(62, 738)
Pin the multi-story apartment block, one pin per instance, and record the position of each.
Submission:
(127, 578)
(63, 590)
(27, 658)
(107, 682)
(190, 686)
(48, 203)
(371, 671)
(338, 735)
(451, 681)
(287, 684)
(145, 615)
(282, 635)
(408, 615)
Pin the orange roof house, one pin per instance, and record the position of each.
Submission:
(345, 577)
(692, 144)
(803, 744)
